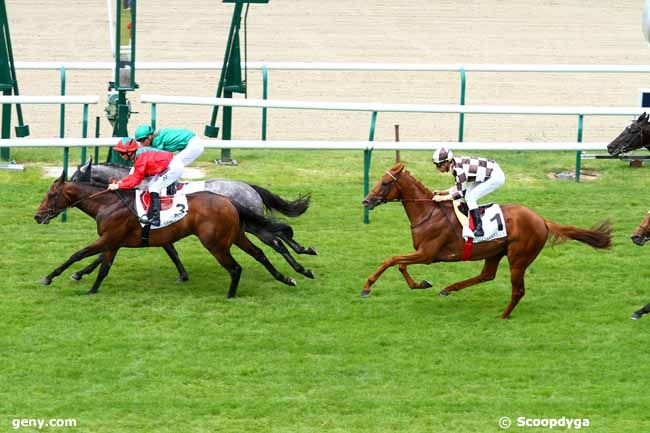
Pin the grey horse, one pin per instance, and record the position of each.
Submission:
(253, 197)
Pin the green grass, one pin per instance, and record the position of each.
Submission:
(148, 354)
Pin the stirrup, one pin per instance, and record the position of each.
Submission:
(154, 221)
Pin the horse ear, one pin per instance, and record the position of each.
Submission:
(84, 167)
(397, 168)
(61, 178)
(641, 118)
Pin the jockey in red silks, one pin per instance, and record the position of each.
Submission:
(147, 162)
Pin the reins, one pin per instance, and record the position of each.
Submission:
(93, 195)
(98, 193)
(429, 200)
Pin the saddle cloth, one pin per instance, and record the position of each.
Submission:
(172, 207)
(494, 223)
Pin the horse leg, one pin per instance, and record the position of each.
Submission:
(269, 239)
(518, 289)
(424, 284)
(87, 270)
(637, 314)
(520, 256)
(297, 247)
(487, 274)
(223, 256)
(88, 251)
(107, 261)
(173, 255)
(245, 244)
(418, 257)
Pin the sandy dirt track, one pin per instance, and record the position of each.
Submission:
(420, 31)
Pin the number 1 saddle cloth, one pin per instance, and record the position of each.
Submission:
(494, 226)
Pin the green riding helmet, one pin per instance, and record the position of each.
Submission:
(143, 131)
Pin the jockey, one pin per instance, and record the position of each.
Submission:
(475, 178)
(147, 162)
(180, 140)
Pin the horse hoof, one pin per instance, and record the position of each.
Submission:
(46, 281)
(91, 292)
(76, 276)
(291, 282)
(444, 293)
(635, 316)
(312, 251)
(309, 274)
(365, 293)
(182, 278)
(424, 284)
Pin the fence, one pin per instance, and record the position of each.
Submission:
(265, 67)
(366, 146)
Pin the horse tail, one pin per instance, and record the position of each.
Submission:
(258, 222)
(599, 236)
(289, 208)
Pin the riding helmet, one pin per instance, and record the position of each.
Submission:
(126, 145)
(442, 154)
(143, 131)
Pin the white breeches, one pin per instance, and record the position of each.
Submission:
(479, 189)
(191, 152)
(160, 182)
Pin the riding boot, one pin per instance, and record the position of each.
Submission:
(153, 215)
(478, 224)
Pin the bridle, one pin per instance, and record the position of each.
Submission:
(395, 180)
(628, 140)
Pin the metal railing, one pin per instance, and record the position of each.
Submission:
(366, 146)
(264, 67)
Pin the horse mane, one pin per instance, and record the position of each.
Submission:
(110, 164)
(417, 182)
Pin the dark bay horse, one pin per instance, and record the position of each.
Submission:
(436, 235)
(635, 136)
(640, 236)
(253, 197)
(214, 219)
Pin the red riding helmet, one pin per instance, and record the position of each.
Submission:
(126, 145)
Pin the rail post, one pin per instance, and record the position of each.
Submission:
(265, 94)
(66, 150)
(367, 158)
(579, 153)
(461, 116)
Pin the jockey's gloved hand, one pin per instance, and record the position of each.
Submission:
(113, 186)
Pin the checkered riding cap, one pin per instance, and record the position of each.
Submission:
(442, 154)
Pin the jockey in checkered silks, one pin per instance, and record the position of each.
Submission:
(474, 177)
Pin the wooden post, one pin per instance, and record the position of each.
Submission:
(397, 154)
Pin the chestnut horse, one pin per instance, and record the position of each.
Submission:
(640, 236)
(437, 237)
(214, 219)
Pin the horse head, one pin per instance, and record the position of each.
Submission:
(642, 233)
(84, 172)
(386, 189)
(634, 136)
(54, 202)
